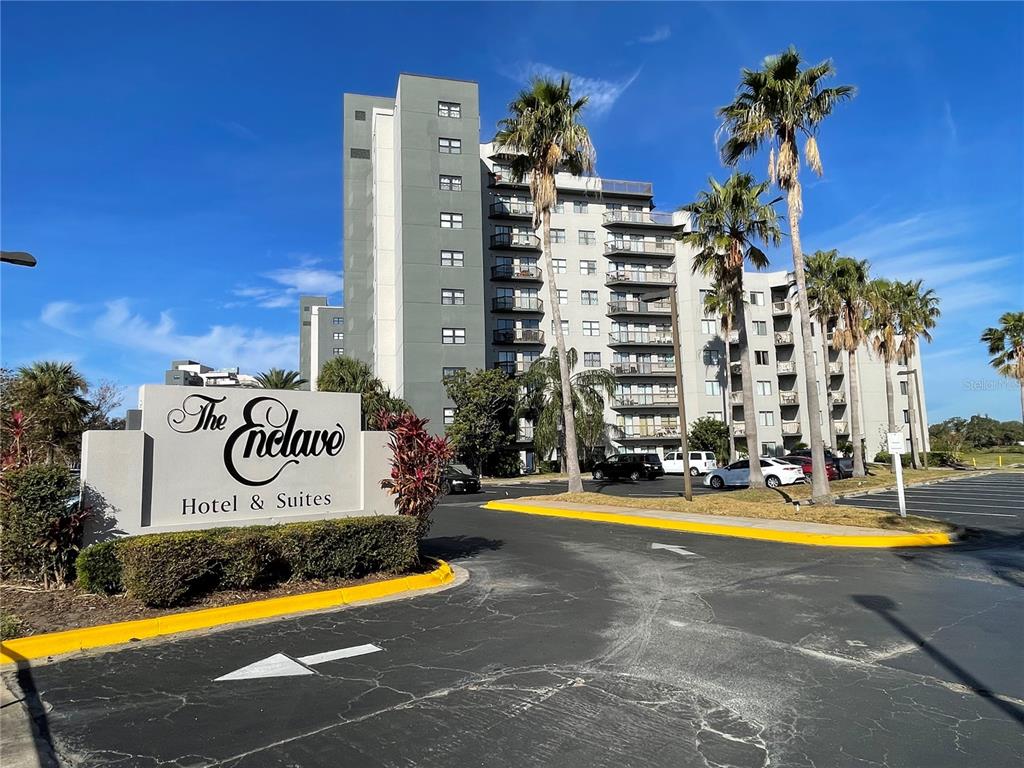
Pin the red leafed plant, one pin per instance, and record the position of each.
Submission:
(418, 460)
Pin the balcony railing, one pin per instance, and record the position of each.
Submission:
(783, 338)
(791, 428)
(786, 367)
(841, 428)
(518, 336)
(521, 240)
(739, 429)
(734, 337)
(504, 179)
(648, 432)
(616, 187)
(639, 218)
(516, 304)
(641, 337)
(640, 277)
(781, 308)
(644, 400)
(633, 307)
(517, 272)
(512, 209)
(513, 367)
(644, 369)
(525, 434)
(640, 248)
(736, 398)
(789, 398)
(835, 369)
(837, 398)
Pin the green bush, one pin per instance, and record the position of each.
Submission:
(884, 457)
(32, 499)
(1003, 449)
(165, 569)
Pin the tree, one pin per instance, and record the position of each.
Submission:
(851, 283)
(541, 400)
(710, 434)
(718, 301)
(917, 313)
(278, 378)
(52, 395)
(727, 221)
(104, 399)
(484, 424)
(545, 132)
(346, 374)
(775, 105)
(949, 436)
(1006, 345)
(882, 323)
(824, 300)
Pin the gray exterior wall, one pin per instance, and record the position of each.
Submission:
(306, 304)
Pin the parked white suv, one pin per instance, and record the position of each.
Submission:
(775, 473)
(701, 462)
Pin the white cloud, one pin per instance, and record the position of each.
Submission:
(284, 286)
(220, 345)
(659, 35)
(602, 94)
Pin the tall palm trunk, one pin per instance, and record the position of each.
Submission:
(1022, 401)
(854, 410)
(728, 390)
(889, 396)
(916, 440)
(819, 479)
(749, 416)
(828, 380)
(572, 460)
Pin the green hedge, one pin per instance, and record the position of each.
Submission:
(31, 498)
(166, 569)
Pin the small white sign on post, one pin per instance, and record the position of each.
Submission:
(896, 446)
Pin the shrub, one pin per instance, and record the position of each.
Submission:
(165, 569)
(11, 626)
(34, 502)
(418, 458)
(884, 457)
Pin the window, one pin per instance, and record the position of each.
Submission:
(359, 154)
(339, 336)
(563, 295)
(565, 327)
(451, 220)
(760, 328)
(757, 298)
(712, 357)
(588, 298)
(903, 387)
(453, 335)
(579, 206)
(558, 207)
(452, 258)
(764, 387)
(558, 265)
(450, 183)
(588, 267)
(557, 235)
(766, 418)
(708, 327)
(761, 357)
(449, 146)
(361, 114)
(591, 359)
(450, 371)
(453, 296)
(712, 387)
(768, 449)
(449, 415)
(704, 293)
(339, 351)
(715, 415)
(337, 320)
(591, 328)
(906, 416)
(449, 109)
(587, 237)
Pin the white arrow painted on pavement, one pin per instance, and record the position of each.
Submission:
(674, 548)
(282, 665)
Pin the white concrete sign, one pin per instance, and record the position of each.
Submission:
(206, 457)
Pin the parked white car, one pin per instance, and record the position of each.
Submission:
(775, 473)
(701, 462)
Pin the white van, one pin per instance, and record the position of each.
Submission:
(701, 462)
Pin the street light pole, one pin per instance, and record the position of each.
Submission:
(20, 258)
(916, 394)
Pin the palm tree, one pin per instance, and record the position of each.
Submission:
(52, 394)
(773, 106)
(546, 135)
(542, 402)
(851, 279)
(917, 313)
(824, 300)
(1006, 345)
(346, 374)
(278, 378)
(727, 220)
(720, 302)
(882, 323)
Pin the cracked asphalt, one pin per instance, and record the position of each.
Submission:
(576, 644)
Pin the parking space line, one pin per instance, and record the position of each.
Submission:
(941, 511)
(952, 502)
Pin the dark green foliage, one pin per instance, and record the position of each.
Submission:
(708, 434)
(485, 424)
(166, 569)
(884, 457)
(504, 464)
(32, 499)
(979, 432)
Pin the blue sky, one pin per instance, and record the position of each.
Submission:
(176, 167)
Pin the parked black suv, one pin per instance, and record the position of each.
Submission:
(458, 478)
(629, 465)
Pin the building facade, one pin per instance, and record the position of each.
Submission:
(189, 373)
(321, 336)
(444, 271)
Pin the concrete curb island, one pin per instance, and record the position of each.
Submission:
(35, 647)
(782, 531)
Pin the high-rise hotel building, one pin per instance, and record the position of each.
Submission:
(444, 271)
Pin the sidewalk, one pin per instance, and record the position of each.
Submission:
(785, 531)
(20, 747)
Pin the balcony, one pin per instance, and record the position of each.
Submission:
(640, 338)
(633, 307)
(789, 398)
(837, 397)
(518, 272)
(638, 219)
(525, 434)
(739, 429)
(791, 278)
(616, 187)
(841, 427)
(640, 277)
(517, 304)
(518, 336)
(783, 338)
(791, 428)
(835, 369)
(512, 209)
(786, 368)
(504, 180)
(640, 248)
(643, 368)
(513, 367)
(648, 432)
(644, 400)
(734, 337)
(780, 308)
(736, 398)
(515, 241)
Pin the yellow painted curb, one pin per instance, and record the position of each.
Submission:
(41, 646)
(741, 532)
